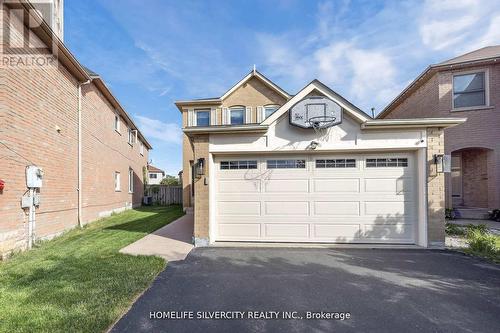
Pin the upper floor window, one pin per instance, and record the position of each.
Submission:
(469, 90)
(269, 110)
(153, 175)
(141, 148)
(117, 123)
(132, 136)
(237, 115)
(202, 117)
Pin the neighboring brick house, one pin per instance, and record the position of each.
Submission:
(465, 86)
(155, 175)
(253, 173)
(88, 173)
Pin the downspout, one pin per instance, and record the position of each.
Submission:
(79, 189)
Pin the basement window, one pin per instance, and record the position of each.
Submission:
(337, 163)
(386, 162)
(286, 164)
(238, 165)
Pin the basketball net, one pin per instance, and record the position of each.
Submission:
(321, 126)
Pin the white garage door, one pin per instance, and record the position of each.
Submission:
(316, 198)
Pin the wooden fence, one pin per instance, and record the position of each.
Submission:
(164, 194)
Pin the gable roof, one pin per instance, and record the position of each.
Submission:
(152, 168)
(480, 54)
(257, 74)
(350, 108)
(218, 100)
(484, 55)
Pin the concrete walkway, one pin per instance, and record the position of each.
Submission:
(492, 225)
(172, 242)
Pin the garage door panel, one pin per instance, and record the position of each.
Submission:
(287, 230)
(296, 208)
(388, 232)
(287, 185)
(337, 232)
(336, 208)
(238, 186)
(388, 185)
(228, 208)
(386, 209)
(247, 230)
(374, 204)
(325, 185)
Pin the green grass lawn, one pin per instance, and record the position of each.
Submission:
(79, 282)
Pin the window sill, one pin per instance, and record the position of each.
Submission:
(117, 131)
(118, 190)
(130, 192)
(130, 144)
(473, 108)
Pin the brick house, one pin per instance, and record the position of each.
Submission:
(255, 169)
(61, 117)
(466, 86)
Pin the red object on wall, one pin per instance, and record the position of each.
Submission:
(2, 185)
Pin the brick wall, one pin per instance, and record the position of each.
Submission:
(39, 125)
(434, 99)
(201, 204)
(435, 189)
(106, 151)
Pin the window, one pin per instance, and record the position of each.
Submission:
(238, 165)
(286, 164)
(269, 110)
(338, 163)
(132, 134)
(237, 115)
(130, 181)
(386, 162)
(153, 175)
(117, 123)
(141, 149)
(202, 117)
(469, 90)
(117, 181)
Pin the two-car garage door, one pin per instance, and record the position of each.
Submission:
(316, 198)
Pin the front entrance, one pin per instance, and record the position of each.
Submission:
(469, 178)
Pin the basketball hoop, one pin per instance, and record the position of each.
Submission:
(321, 124)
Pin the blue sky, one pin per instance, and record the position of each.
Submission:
(153, 52)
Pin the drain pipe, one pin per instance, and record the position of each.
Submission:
(79, 189)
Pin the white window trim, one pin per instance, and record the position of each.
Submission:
(131, 136)
(267, 106)
(130, 180)
(486, 90)
(117, 178)
(237, 108)
(141, 148)
(116, 124)
(195, 119)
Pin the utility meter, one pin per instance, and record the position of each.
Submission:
(34, 176)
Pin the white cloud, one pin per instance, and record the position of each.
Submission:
(459, 24)
(156, 129)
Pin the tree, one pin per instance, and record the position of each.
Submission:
(170, 180)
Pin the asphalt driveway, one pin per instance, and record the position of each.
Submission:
(382, 291)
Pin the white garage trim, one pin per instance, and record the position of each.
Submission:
(306, 221)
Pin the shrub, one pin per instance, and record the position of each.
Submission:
(481, 242)
(453, 229)
(450, 214)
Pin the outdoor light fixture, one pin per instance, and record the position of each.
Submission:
(200, 167)
(442, 162)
